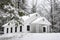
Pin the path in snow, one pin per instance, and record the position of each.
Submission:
(34, 36)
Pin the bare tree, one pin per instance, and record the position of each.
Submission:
(55, 8)
(33, 9)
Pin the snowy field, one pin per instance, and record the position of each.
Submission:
(31, 36)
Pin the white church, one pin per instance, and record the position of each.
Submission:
(32, 23)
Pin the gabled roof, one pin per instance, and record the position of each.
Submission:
(28, 16)
(12, 22)
(41, 20)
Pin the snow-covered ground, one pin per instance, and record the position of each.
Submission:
(31, 36)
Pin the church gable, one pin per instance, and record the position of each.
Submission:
(41, 20)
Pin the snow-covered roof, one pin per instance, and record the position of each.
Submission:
(33, 14)
(10, 22)
(41, 20)
(28, 16)
(25, 17)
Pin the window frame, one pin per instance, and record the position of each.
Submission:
(20, 28)
(7, 30)
(28, 27)
(44, 29)
(15, 29)
(11, 29)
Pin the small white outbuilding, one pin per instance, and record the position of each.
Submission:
(32, 23)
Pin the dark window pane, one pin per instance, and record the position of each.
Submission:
(28, 28)
(20, 28)
(44, 29)
(7, 30)
(15, 29)
(11, 29)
